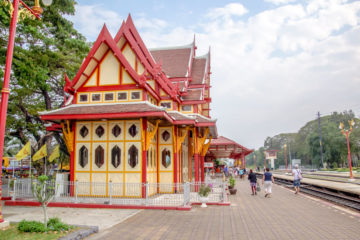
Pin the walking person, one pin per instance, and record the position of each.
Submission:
(252, 178)
(267, 181)
(297, 177)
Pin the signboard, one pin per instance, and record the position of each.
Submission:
(208, 164)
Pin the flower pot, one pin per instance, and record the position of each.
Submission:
(233, 191)
(230, 187)
(203, 201)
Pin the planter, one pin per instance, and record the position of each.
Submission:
(233, 191)
(203, 201)
(230, 187)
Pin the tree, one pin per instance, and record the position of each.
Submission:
(44, 50)
(44, 191)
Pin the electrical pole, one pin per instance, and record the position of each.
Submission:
(321, 147)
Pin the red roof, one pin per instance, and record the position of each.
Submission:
(198, 70)
(193, 95)
(175, 62)
(223, 147)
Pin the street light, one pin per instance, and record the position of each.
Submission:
(346, 132)
(285, 149)
(14, 11)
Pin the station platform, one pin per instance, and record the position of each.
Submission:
(283, 216)
(348, 187)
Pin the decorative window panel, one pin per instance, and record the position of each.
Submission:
(186, 108)
(116, 156)
(116, 131)
(133, 130)
(166, 158)
(99, 156)
(165, 135)
(84, 131)
(133, 156)
(83, 156)
(100, 131)
(166, 105)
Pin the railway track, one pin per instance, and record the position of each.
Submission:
(338, 198)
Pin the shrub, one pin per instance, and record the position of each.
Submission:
(232, 181)
(204, 190)
(31, 226)
(54, 224)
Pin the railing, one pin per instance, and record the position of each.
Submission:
(149, 194)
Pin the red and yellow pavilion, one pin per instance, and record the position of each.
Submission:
(134, 115)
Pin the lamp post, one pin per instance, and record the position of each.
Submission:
(14, 11)
(346, 132)
(285, 149)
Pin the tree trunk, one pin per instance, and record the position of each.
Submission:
(45, 215)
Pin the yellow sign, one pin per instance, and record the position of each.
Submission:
(24, 152)
(41, 153)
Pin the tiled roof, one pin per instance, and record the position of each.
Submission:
(83, 109)
(180, 117)
(193, 95)
(181, 85)
(175, 62)
(202, 119)
(198, 70)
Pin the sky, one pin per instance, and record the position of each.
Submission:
(274, 63)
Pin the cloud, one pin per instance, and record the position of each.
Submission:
(229, 10)
(273, 70)
(278, 2)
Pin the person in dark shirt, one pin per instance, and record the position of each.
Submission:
(252, 178)
(268, 180)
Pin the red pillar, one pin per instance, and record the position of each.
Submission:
(202, 158)
(175, 159)
(243, 160)
(144, 159)
(5, 91)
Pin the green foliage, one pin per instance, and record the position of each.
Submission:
(232, 181)
(31, 226)
(44, 191)
(54, 224)
(44, 50)
(305, 144)
(204, 190)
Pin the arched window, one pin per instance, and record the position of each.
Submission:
(99, 156)
(166, 158)
(115, 156)
(116, 131)
(83, 156)
(133, 155)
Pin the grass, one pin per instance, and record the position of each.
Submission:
(12, 233)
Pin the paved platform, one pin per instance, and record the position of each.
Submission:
(340, 186)
(284, 216)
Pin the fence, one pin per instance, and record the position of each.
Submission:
(149, 194)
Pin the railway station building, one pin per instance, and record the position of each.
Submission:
(134, 115)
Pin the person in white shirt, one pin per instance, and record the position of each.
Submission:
(297, 177)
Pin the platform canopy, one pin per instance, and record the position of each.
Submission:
(223, 147)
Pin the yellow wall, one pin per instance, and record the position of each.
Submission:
(109, 70)
(123, 173)
(165, 174)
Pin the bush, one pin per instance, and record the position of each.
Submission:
(54, 224)
(31, 226)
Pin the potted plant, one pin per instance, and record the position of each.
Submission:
(232, 182)
(203, 195)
